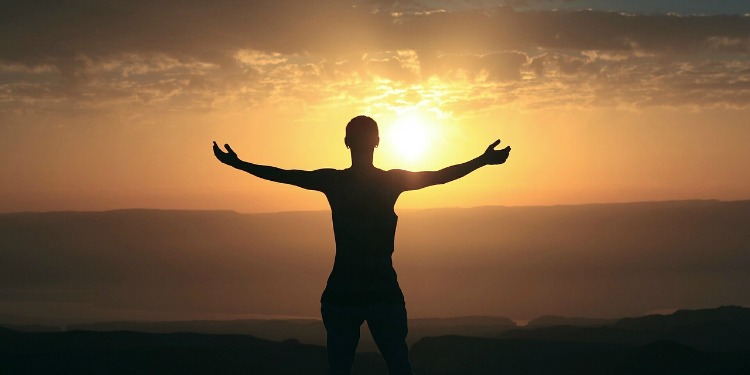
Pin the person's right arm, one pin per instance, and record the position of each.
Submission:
(312, 180)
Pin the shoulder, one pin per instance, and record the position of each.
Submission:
(327, 171)
(325, 174)
(399, 177)
(325, 178)
(398, 173)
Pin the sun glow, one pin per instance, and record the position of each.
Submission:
(410, 136)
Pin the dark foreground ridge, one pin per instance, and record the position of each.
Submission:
(309, 331)
(470, 355)
(702, 342)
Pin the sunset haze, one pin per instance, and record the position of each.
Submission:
(109, 105)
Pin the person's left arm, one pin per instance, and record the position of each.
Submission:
(419, 180)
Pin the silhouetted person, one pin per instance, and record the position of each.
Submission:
(363, 286)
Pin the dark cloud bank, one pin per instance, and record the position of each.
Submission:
(37, 32)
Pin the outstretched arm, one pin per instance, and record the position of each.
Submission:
(312, 180)
(418, 180)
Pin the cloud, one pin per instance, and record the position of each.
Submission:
(202, 54)
(501, 66)
(215, 30)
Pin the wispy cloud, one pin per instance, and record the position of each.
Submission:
(202, 54)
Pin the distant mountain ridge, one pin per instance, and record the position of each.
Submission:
(553, 320)
(725, 328)
(704, 341)
(736, 316)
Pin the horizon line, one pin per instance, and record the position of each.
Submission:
(693, 200)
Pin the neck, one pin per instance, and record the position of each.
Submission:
(362, 159)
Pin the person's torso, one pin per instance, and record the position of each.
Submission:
(364, 225)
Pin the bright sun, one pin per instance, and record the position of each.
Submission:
(409, 136)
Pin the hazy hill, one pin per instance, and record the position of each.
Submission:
(592, 260)
(553, 320)
(725, 316)
(725, 328)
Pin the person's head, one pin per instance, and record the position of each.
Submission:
(362, 133)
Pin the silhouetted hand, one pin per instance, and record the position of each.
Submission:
(229, 157)
(492, 156)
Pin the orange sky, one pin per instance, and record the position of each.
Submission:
(103, 110)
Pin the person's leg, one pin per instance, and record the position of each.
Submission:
(388, 326)
(342, 325)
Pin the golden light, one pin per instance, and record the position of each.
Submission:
(410, 136)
